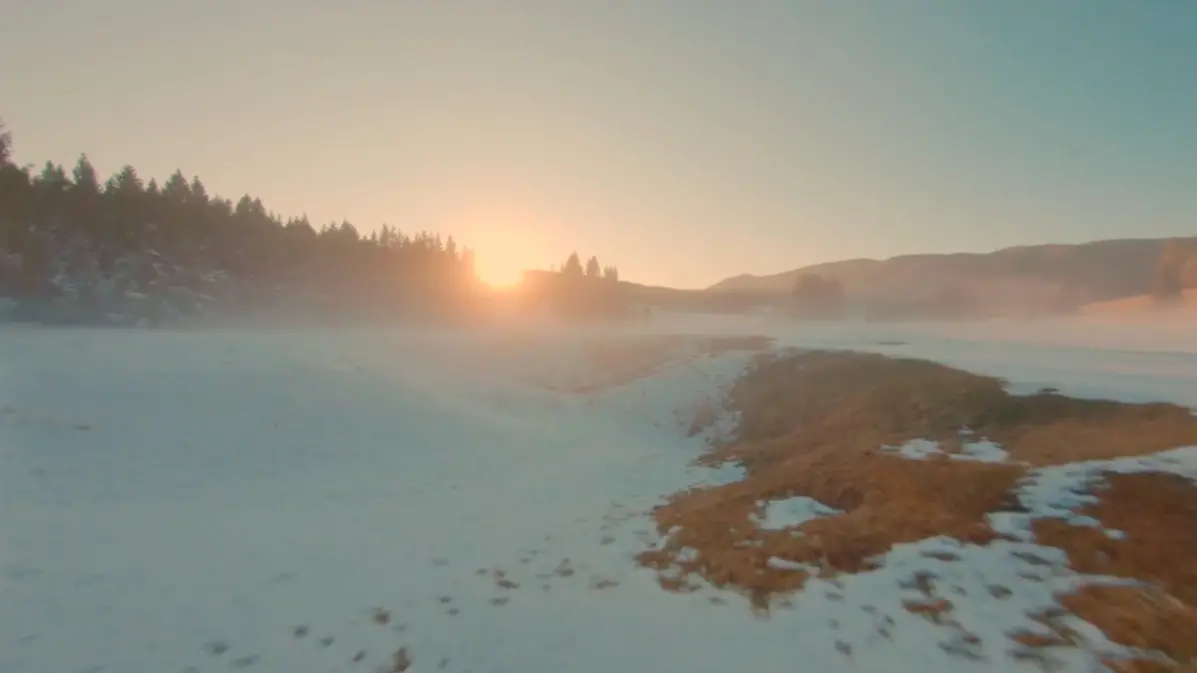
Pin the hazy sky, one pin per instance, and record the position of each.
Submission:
(684, 140)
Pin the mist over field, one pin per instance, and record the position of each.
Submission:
(320, 499)
(598, 337)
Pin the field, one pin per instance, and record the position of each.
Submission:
(694, 495)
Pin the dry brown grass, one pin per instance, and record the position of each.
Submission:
(813, 424)
(887, 500)
(934, 610)
(1140, 617)
(1158, 514)
(800, 396)
(1143, 618)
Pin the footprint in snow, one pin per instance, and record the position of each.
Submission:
(400, 662)
(216, 648)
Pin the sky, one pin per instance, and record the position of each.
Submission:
(682, 140)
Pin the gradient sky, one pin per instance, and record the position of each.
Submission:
(684, 140)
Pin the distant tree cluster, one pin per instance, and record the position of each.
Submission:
(573, 267)
(1175, 271)
(1069, 298)
(75, 234)
(818, 297)
(579, 292)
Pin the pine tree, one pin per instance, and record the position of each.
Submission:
(199, 195)
(125, 183)
(573, 265)
(176, 188)
(84, 175)
(53, 179)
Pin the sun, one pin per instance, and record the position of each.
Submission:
(507, 241)
(499, 276)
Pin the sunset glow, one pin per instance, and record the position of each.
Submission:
(509, 240)
(497, 274)
(470, 335)
(683, 142)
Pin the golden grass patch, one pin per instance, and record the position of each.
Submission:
(802, 397)
(886, 500)
(1157, 514)
(814, 424)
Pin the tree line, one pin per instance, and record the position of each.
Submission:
(58, 229)
(580, 292)
(572, 267)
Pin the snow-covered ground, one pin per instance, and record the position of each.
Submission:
(314, 501)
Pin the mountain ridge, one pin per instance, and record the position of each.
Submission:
(1104, 269)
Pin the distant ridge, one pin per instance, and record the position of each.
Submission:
(1098, 270)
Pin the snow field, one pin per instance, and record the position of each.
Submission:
(296, 501)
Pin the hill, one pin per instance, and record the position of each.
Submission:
(1021, 279)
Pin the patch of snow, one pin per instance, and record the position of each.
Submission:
(983, 451)
(719, 475)
(778, 563)
(1056, 492)
(1012, 524)
(916, 449)
(792, 511)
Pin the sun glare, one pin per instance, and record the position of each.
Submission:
(509, 241)
(499, 278)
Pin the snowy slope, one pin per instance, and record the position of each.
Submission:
(315, 501)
